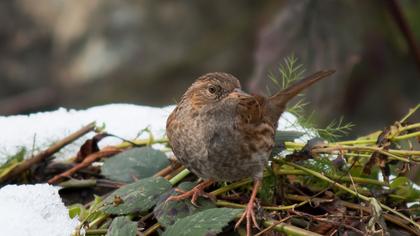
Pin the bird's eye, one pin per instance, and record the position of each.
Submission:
(212, 89)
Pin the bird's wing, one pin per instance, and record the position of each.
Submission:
(250, 109)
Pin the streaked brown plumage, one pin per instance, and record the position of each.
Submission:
(223, 134)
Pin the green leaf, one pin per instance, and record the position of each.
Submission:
(77, 210)
(415, 209)
(135, 163)
(12, 162)
(167, 213)
(139, 196)
(208, 222)
(122, 226)
(404, 187)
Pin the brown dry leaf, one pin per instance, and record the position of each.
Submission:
(90, 146)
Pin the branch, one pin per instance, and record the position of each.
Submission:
(85, 163)
(342, 187)
(25, 165)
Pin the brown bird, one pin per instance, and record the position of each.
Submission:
(221, 133)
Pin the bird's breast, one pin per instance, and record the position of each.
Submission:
(221, 146)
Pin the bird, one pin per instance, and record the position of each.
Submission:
(221, 133)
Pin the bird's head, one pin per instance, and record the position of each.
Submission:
(213, 89)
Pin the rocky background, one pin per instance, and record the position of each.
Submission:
(83, 53)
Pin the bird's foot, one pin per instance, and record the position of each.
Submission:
(194, 193)
(249, 213)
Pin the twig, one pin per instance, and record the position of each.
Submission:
(359, 148)
(85, 183)
(96, 231)
(407, 136)
(364, 198)
(289, 229)
(151, 229)
(328, 221)
(273, 225)
(338, 147)
(179, 176)
(359, 180)
(174, 173)
(167, 170)
(85, 163)
(25, 165)
(141, 142)
(388, 217)
(412, 126)
(410, 113)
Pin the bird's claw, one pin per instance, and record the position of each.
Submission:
(249, 214)
(194, 193)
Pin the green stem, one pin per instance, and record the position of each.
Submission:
(367, 199)
(229, 187)
(243, 182)
(351, 154)
(142, 142)
(151, 229)
(180, 176)
(289, 229)
(355, 142)
(332, 148)
(404, 152)
(82, 183)
(229, 204)
(406, 136)
(294, 145)
(98, 220)
(412, 126)
(359, 180)
(410, 112)
(373, 141)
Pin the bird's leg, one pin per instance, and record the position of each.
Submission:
(249, 210)
(193, 193)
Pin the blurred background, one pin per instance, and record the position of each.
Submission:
(79, 54)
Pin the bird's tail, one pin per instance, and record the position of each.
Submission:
(279, 100)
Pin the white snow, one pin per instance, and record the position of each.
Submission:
(40, 130)
(34, 210)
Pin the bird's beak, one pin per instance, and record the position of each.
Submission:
(237, 92)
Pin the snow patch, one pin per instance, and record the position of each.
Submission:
(34, 210)
(41, 129)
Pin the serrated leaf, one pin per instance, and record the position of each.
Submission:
(135, 163)
(167, 213)
(122, 226)
(208, 222)
(139, 196)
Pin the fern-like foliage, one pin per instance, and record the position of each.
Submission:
(291, 70)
